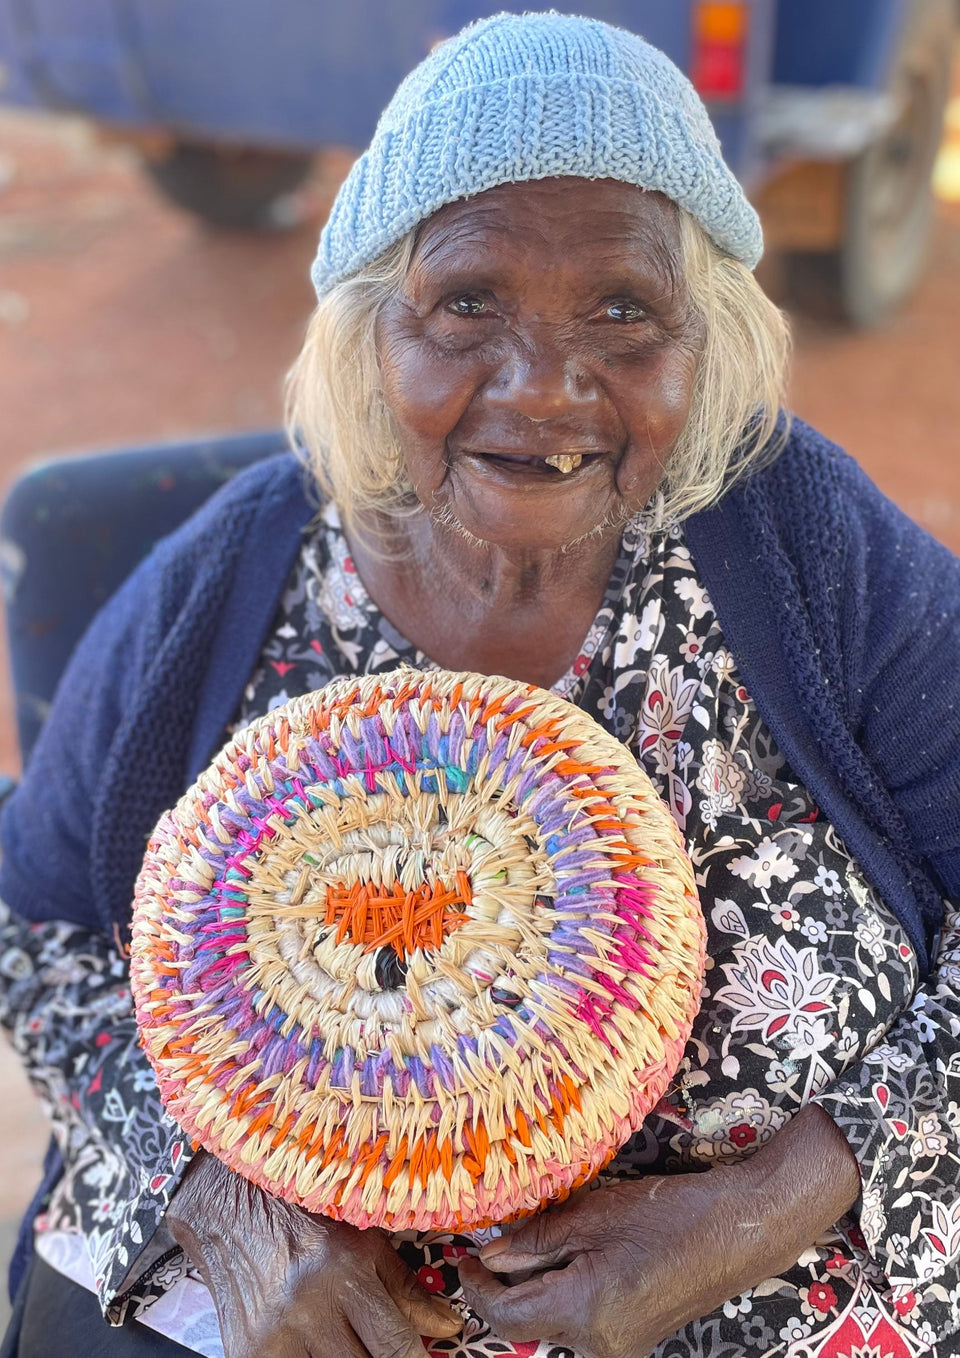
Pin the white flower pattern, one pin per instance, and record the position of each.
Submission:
(767, 864)
(779, 991)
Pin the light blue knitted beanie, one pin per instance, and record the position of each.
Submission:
(532, 96)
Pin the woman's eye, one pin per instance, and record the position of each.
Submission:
(625, 311)
(468, 305)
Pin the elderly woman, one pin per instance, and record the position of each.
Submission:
(541, 398)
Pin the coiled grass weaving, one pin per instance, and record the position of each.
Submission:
(417, 951)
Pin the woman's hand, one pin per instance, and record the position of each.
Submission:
(290, 1285)
(634, 1262)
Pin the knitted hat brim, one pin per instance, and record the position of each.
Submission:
(521, 129)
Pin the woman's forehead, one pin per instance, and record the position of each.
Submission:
(569, 218)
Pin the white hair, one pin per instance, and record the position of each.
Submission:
(337, 416)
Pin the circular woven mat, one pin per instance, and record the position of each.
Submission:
(417, 951)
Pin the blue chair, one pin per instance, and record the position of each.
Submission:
(72, 530)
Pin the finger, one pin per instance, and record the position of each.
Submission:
(428, 1315)
(530, 1311)
(301, 1335)
(335, 1342)
(244, 1338)
(541, 1242)
(332, 1342)
(384, 1330)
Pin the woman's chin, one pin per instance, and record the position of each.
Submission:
(529, 514)
(532, 531)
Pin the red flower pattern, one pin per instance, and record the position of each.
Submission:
(743, 1134)
(430, 1279)
(821, 1297)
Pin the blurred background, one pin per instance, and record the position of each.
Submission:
(165, 169)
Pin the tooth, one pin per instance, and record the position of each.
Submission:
(565, 462)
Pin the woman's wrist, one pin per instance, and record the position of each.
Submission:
(792, 1190)
(214, 1209)
(197, 1207)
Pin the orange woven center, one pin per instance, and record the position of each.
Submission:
(405, 920)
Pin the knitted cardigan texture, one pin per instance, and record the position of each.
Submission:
(842, 615)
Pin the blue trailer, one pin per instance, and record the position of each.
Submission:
(829, 110)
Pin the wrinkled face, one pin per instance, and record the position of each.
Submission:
(541, 321)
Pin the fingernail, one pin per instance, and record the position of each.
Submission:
(495, 1248)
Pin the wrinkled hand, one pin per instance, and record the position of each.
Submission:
(619, 1269)
(287, 1284)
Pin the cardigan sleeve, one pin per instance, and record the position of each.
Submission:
(47, 825)
(113, 753)
(899, 1109)
(153, 677)
(65, 1000)
(907, 684)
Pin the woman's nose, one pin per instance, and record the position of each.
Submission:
(542, 382)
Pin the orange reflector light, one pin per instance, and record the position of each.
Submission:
(718, 65)
(716, 22)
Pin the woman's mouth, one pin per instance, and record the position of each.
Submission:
(556, 466)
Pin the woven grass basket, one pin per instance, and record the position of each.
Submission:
(418, 951)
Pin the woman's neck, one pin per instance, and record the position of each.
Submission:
(471, 605)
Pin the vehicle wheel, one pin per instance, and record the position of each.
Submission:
(230, 186)
(889, 198)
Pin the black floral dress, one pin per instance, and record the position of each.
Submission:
(811, 994)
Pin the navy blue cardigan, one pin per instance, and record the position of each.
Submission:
(843, 617)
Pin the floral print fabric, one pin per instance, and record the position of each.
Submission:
(811, 991)
(65, 1002)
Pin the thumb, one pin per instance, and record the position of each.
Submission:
(432, 1316)
(436, 1319)
(539, 1243)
